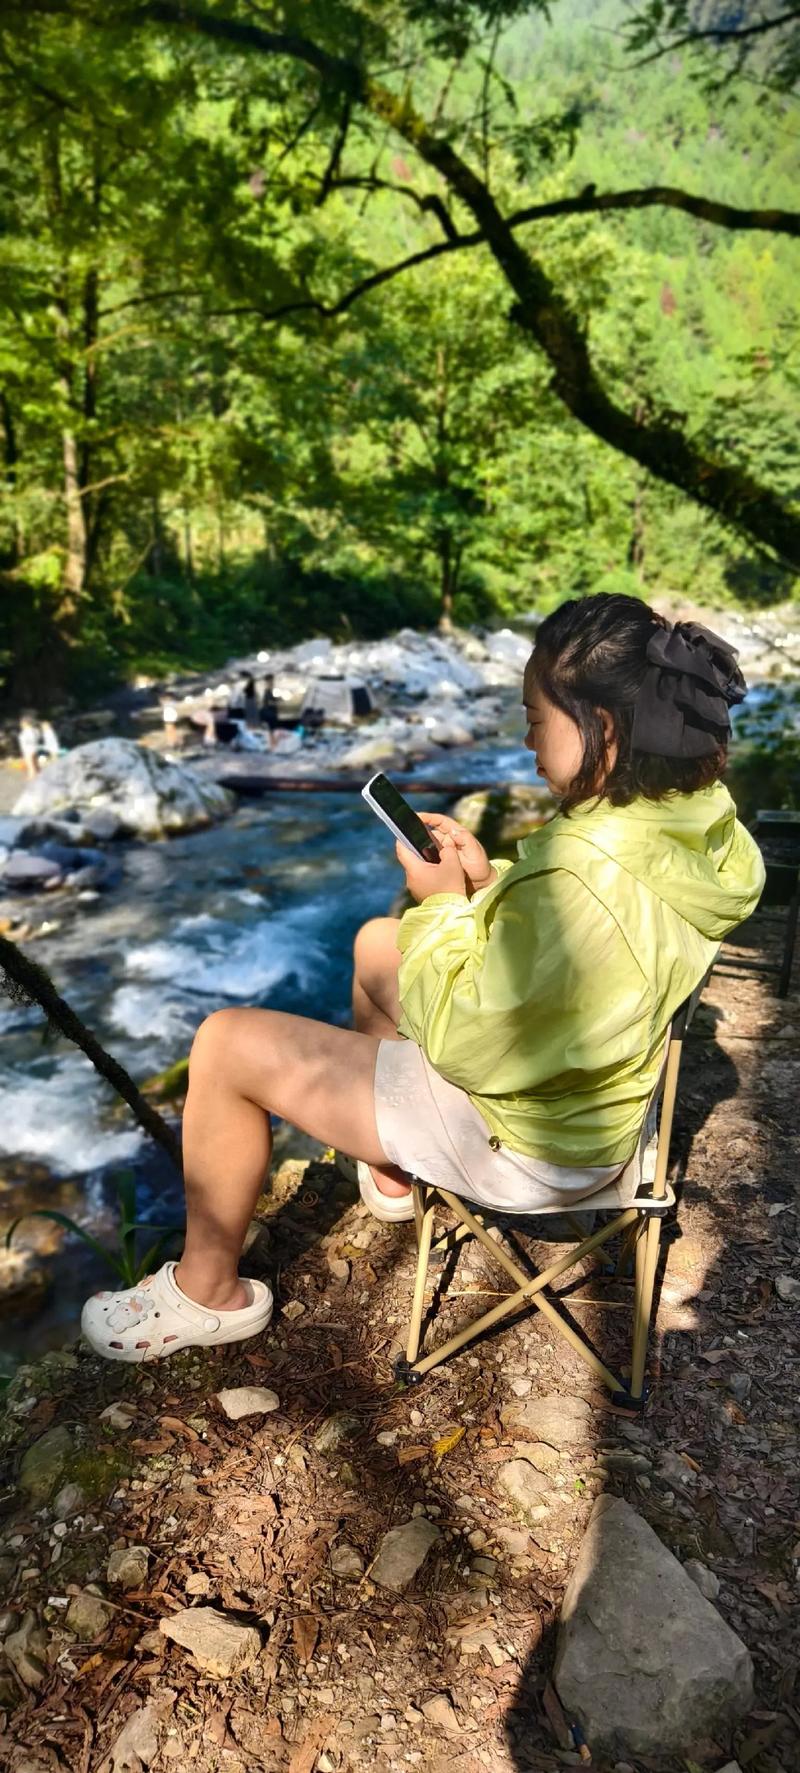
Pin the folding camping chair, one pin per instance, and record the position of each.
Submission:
(638, 1200)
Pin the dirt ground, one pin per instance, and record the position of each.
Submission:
(248, 1515)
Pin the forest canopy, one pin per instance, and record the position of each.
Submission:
(334, 316)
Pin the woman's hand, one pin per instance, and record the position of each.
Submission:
(478, 869)
(425, 878)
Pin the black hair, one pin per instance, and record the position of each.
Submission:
(590, 656)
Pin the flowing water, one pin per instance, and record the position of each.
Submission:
(261, 909)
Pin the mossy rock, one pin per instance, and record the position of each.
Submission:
(499, 817)
(167, 1085)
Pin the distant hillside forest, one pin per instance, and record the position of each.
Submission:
(222, 427)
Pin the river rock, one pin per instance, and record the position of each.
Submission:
(44, 1463)
(22, 1281)
(788, 1288)
(128, 1566)
(26, 1650)
(88, 1616)
(24, 870)
(248, 1400)
(219, 1643)
(500, 817)
(560, 1421)
(646, 1665)
(402, 1552)
(149, 796)
(527, 1488)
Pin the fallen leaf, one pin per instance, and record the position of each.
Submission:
(446, 1444)
(305, 1632)
(407, 1455)
(162, 1446)
(304, 1758)
(257, 1360)
(176, 1426)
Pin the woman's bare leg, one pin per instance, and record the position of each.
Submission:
(245, 1063)
(376, 1010)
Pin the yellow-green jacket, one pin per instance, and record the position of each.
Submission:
(548, 995)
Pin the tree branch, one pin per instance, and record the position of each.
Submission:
(540, 309)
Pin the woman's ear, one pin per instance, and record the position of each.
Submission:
(609, 736)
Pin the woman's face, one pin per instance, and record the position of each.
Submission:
(555, 739)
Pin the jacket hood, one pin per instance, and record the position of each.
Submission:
(690, 850)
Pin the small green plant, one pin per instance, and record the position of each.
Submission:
(124, 1260)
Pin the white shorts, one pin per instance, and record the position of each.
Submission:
(431, 1129)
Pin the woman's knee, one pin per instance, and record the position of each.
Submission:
(216, 1038)
(375, 945)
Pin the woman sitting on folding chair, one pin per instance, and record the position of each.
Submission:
(509, 1029)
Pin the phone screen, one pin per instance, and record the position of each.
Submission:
(391, 802)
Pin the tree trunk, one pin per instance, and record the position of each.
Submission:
(14, 552)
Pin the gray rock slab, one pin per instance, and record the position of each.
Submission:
(560, 1421)
(44, 1463)
(23, 868)
(643, 1661)
(402, 1553)
(218, 1643)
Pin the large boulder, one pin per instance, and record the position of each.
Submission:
(643, 1661)
(150, 797)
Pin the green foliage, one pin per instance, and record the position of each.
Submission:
(186, 476)
(124, 1259)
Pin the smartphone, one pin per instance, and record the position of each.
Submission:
(388, 803)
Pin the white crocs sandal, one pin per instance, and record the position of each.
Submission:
(148, 1322)
(392, 1209)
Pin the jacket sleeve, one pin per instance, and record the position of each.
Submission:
(534, 984)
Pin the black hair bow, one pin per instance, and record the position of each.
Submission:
(691, 681)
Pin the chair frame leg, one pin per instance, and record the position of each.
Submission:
(424, 1206)
(788, 947)
(647, 1248)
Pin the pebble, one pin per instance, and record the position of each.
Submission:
(787, 1288)
(478, 1539)
(703, 1578)
(521, 1387)
(197, 1582)
(739, 1386)
(402, 1552)
(70, 1500)
(248, 1400)
(294, 1309)
(26, 1650)
(88, 1616)
(527, 1488)
(220, 1644)
(119, 1416)
(416, 1418)
(347, 1562)
(339, 1268)
(387, 1437)
(128, 1566)
(484, 1566)
(338, 1428)
(439, 1712)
